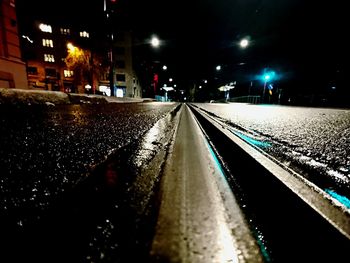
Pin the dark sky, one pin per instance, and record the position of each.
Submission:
(304, 40)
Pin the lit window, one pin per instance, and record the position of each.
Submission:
(45, 28)
(49, 58)
(84, 34)
(65, 31)
(68, 73)
(47, 43)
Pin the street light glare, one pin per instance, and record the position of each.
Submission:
(70, 46)
(244, 43)
(218, 68)
(155, 42)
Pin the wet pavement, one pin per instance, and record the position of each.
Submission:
(313, 141)
(69, 179)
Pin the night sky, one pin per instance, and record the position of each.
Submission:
(304, 41)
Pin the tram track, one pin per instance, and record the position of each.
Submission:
(292, 219)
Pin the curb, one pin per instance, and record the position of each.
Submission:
(29, 97)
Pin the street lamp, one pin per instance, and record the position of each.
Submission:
(71, 47)
(218, 68)
(244, 43)
(155, 42)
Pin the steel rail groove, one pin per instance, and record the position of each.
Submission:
(295, 220)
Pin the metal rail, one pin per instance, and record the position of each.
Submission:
(199, 218)
(294, 219)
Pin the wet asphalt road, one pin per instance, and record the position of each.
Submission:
(313, 141)
(47, 160)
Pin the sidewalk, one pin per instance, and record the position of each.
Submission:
(28, 97)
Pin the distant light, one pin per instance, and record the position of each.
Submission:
(170, 79)
(104, 89)
(168, 89)
(165, 67)
(120, 93)
(200, 87)
(70, 46)
(244, 43)
(269, 76)
(155, 42)
(88, 87)
(205, 81)
(26, 37)
(218, 68)
(45, 28)
(185, 98)
(334, 88)
(175, 85)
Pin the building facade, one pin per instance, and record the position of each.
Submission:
(12, 68)
(126, 80)
(46, 50)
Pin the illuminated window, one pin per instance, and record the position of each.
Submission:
(49, 58)
(65, 31)
(68, 73)
(47, 43)
(84, 34)
(45, 28)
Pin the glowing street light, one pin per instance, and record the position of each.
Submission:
(155, 42)
(70, 47)
(267, 77)
(165, 67)
(218, 68)
(244, 43)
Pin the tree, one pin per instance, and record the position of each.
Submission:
(88, 67)
(79, 60)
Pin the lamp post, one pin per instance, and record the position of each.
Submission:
(108, 9)
(267, 77)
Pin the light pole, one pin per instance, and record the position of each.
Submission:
(267, 77)
(108, 9)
